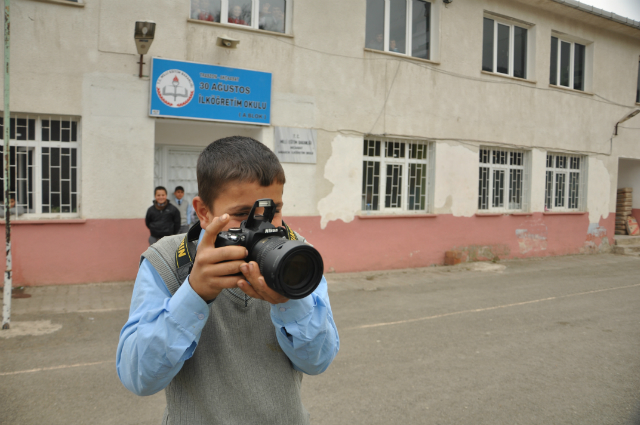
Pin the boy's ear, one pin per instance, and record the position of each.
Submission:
(202, 211)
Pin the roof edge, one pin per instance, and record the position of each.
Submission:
(600, 12)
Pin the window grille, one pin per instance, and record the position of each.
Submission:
(565, 182)
(44, 166)
(503, 180)
(397, 175)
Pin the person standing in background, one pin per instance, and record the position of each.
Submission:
(163, 219)
(182, 204)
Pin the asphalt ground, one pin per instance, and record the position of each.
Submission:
(543, 341)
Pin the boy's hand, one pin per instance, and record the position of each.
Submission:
(257, 287)
(214, 268)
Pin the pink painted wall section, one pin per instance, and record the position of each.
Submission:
(76, 251)
(636, 213)
(109, 250)
(393, 243)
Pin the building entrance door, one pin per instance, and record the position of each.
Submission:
(176, 166)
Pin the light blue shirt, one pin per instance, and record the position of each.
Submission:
(163, 331)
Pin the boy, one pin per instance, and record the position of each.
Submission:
(183, 206)
(226, 347)
(163, 219)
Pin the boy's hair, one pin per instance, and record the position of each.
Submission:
(235, 159)
(159, 188)
(178, 188)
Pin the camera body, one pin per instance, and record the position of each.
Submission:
(253, 229)
(290, 267)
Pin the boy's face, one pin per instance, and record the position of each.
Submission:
(161, 196)
(237, 199)
(178, 194)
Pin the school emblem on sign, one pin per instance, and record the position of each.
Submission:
(175, 88)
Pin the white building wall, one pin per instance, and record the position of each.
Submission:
(81, 61)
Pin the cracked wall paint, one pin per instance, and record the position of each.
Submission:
(456, 180)
(532, 237)
(483, 252)
(343, 203)
(599, 190)
(597, 240)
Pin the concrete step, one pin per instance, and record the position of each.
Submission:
(627, 250)
(627, 240)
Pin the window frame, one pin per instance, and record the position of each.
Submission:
(588, 67)
(511, 23)
(433, 31)
(36, 145)
(383, 160)
(526, 181)
(555, 170)
(255, 17)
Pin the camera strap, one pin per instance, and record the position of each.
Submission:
(186, 252)
(291, 235)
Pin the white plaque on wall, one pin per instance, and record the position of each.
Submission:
(295, 144)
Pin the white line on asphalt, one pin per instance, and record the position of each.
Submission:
(98, 310)
(478, 310)
(42, 369)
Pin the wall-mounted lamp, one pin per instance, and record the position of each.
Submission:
(143, 35)
(228, 42)
(627, 117)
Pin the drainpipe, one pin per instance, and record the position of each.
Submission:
(6, 305)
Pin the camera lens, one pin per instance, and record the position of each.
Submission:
(296, 270)
(291, 268)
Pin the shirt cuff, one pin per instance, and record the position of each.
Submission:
(188, 309)
(293, 310)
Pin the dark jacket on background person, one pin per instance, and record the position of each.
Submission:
(163, 220)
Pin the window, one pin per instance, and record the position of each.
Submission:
(268, 15)
(564, 183)
(567, 64)
(400, 26)
(396, 175)
(504, 180)
(504, 48)
(43, 166)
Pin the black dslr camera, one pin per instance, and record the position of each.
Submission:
(290, 267)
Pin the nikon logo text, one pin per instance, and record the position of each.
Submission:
(270, 230)
(181, 251)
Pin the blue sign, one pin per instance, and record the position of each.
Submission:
(208, 92)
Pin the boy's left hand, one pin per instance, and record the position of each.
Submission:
(256, 286)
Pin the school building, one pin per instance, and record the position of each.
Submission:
(407, 128)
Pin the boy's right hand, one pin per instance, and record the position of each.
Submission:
(216, 268)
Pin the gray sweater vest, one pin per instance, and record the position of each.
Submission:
(238, 373)
(183, 207)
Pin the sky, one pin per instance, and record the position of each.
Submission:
(626, 8)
